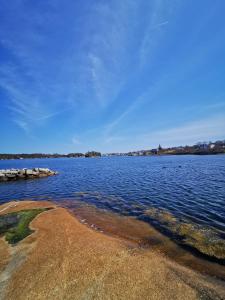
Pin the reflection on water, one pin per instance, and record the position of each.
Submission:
(184, 195)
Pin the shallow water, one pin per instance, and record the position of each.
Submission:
(140, 235)
(190, 188)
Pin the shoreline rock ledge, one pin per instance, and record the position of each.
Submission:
(16, 174)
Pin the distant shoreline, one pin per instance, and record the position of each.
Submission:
(204, 148)
(113, 155)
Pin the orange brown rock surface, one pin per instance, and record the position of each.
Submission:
(64, 259)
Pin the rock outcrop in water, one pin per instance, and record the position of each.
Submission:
(16, 174)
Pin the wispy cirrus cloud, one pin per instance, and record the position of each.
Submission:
(27, 110)
(76, 140)
(110, 127)
(160, 24)
(111, 26)
(21, 71)
(115, 67)
(90, 73)
(206, 129)
(159, 15)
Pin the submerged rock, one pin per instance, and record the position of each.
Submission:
(207, 240)
(15, 174)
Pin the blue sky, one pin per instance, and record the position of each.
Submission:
(110, 75)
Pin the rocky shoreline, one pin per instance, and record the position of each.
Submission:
(64, 259)
(16, 174)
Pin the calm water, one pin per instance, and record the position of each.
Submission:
(191, 188)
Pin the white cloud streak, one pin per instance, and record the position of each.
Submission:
(160, 24)
(93, 76)
(159, 13)
(76, 141)
(111, 26)
(206, 129)
(94, 66)
(26, 108)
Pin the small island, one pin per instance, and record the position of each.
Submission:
(93, 154)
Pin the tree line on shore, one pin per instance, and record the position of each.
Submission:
(201, 148)
(43, 155)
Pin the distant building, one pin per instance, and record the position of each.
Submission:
(159, 148)
(203, 146)
(154, 151)
(140, 153)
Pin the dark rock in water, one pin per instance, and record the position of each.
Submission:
(3, 177)
(15, 174)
